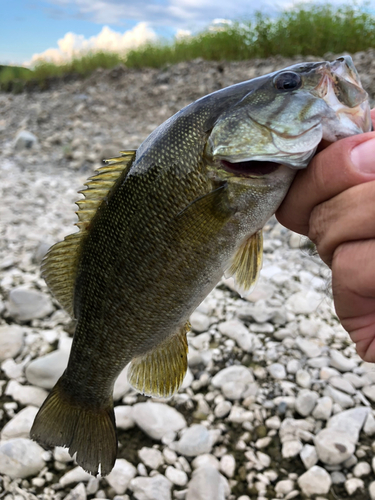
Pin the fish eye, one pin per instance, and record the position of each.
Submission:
(287, 81)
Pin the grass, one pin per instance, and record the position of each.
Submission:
(306, 30)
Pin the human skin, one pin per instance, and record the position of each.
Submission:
(333, 203)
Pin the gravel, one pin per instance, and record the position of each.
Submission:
(276, 402)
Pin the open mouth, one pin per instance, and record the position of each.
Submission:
(246, 168)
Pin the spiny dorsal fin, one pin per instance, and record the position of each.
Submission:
(59, 266)
(247, 263)
(161, 371)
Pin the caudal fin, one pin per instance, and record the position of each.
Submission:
(89, 431)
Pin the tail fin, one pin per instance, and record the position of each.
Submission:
(89, 431)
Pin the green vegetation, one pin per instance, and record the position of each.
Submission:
(306, 30)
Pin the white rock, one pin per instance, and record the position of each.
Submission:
(45, 371)
(77, 493)
(369, 392)
(284, 487)
(206, 459)
(75, 475)
(151, 488)
(228, 465)
(323, 408)
(20, 425)
(354, 379)
(25, 304)
(362, 469)
(303, 378)
(176, 476)
(273, 422)
(315, 481)
(25, 140)
(371, 490)
(199, 322)
(327, 372)
(151, 457)
(20, 458)
(277, 371)
(236, 330)
(342, 385)
(304, 302)
(61, 454)
(353, 484)
(121, 475)
(338, 477)
(26, 394)
(339, 397)
(309, 456)
(291, 448)
(157, 419)
(369, 427)
(308, 347)
(293, 366)
(305, 401)
(122, 385)
(11, 341)
(341, 362)
(222, 409)
(194, 441)
(124, 417)
(207, 483)
(188, 379)
(349, 422)
(233, 380)
(333, 447)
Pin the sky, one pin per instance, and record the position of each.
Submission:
(56, 29)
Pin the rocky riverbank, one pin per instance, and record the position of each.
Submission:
(276, 403)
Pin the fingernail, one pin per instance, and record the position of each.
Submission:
(363, 157)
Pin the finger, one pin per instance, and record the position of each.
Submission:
(353, 286)
(341, 165)
(348, 216)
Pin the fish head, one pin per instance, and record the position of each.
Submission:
(285, 116)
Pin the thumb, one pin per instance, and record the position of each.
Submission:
(341, 165)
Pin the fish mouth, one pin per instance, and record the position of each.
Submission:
(250, 168)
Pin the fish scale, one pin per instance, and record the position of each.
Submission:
(158, 228)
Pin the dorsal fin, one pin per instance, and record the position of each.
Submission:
(59, 266)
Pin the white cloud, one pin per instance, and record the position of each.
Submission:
(107, 40)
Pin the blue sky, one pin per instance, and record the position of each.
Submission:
(29, 27)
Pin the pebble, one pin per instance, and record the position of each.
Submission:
(122, 385)
(353, 484)
(21, 458)
(293, 366)
(304, 302)
(323, 408)
(371, 490)
(11, 341)
(176, 476)
(26, 394)
(207, 483)
(157, 419)
(342, 384)
(199, 322)
(305, 402)
(341, 362)
(151, 457)
(236, 330)
(77, 493)
(75, 475)
(194, 441)
(284, 487)
(222, 409)
(362, 469)
(157, 487)
(308, 347)
(291, 448)
(303, 378)
(309, 456)
(124, 417)
(20, 425)
(45, 371)
(315, 481)
(369, 392)
(25, 140)
(338, 477)
(206, 459)
(339, 397)
(369, 427)
(233, 381)
(121, 475)
(333, 447)
(277, 371)
(25, 304)
(228, 465)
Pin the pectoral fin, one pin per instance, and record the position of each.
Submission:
(247, 263)
(161, 371)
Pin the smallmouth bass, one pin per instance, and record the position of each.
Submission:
(159, 226)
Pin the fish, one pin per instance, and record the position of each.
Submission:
(158, 228)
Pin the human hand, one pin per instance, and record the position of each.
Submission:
(333, 203)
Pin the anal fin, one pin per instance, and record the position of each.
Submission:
(247, 263)
(161, 371)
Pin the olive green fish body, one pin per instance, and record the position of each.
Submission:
(160, 226)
